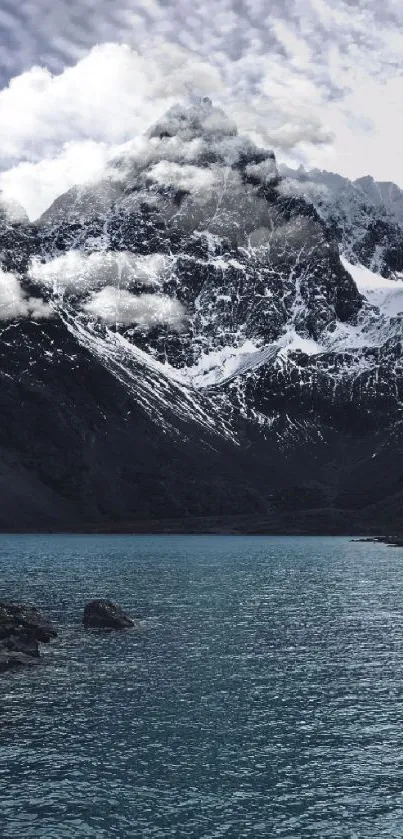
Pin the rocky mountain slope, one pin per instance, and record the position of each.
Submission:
(200, 335)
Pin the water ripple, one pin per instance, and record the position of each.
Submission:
(261, 696)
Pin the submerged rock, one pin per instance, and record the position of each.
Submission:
(104, 614)
(22, 629)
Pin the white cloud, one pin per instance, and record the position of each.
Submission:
(13, 211)
(190, 178)
(265, 172)
(355, 74)
(38, 309)
(318, 80)
(368, 128)
(15, 304)
(78, 273)
(12, 302)
(312, 192)
(149, 269)
(145, 311)
(109, 96)
(107, 277)
(61, 130)
(36, 185)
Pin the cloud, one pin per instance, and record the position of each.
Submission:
(304, 188)
(36, 185)
(38, 309)
(190, 178)
(368, 132)
(78, 273)
(151, 268)
(102, 281)
(60, 130)
(109, 96)
(320, 81)
(145, 311)
(11, 210)
(14, 303)
(57, 130)
(264, 172)
(355, 68)
(188, 148)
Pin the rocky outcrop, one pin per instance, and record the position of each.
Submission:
(104, 614)
(22, 629)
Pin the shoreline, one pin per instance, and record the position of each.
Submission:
(298, 523)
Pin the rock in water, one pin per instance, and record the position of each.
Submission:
(22, 628)
(104, 614)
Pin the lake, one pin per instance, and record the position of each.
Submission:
(262, 694)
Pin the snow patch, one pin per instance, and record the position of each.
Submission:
(292, 341)
(220, 365)
(386, 294)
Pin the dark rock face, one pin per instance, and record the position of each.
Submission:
(104, 614)
(22, 629)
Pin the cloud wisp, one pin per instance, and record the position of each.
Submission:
(78, 273)
(114, 306)
(15, 303)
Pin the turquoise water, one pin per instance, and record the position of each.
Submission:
(262, 695)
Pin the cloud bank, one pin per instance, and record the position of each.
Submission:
(318, 80)
(60, 130)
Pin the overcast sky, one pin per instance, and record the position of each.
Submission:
(320, 81)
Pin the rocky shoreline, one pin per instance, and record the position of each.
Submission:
(23, 628)
(392, 541)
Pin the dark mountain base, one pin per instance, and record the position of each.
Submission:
(78, 454)
(332, 522)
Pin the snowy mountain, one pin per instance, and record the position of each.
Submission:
(200, 334)
(365, 216)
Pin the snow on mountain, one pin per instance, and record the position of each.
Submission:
(365, 216)
(384, 293)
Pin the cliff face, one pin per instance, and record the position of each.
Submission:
(198, 335)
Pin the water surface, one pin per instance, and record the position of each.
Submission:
(262, 696)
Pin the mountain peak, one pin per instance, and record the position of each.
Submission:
(193, 154)
(195, 120)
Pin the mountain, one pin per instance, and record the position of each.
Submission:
(365, 216)
(202, 337)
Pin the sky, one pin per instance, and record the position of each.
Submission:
(319, 81)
